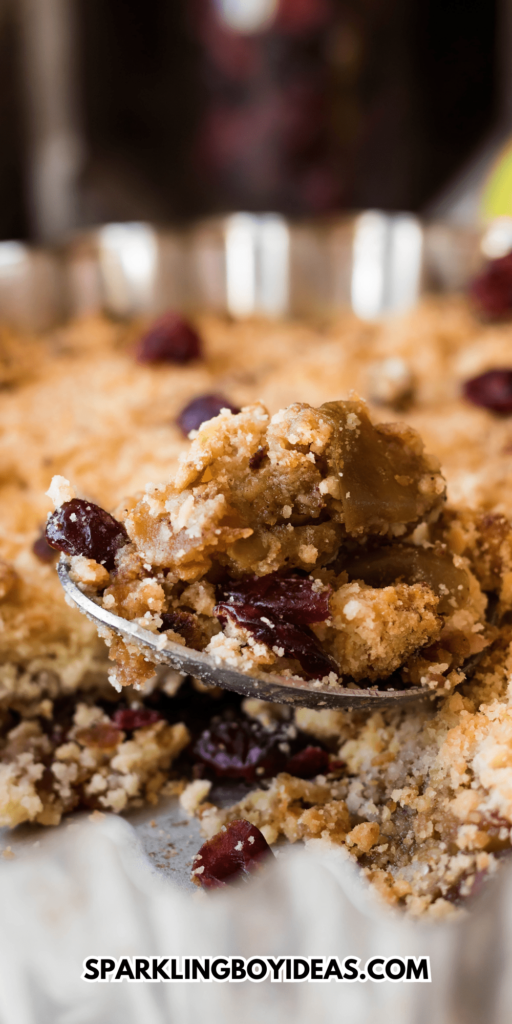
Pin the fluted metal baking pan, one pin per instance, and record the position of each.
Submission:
(241, 264)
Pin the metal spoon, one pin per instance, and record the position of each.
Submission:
(264, 686)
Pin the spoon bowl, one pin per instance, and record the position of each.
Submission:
(216, 672)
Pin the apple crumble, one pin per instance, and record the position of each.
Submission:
(312, 543)
(421, 797)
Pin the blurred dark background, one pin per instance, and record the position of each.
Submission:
(170, 109)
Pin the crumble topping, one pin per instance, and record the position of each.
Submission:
(60, 491)
(436, 780)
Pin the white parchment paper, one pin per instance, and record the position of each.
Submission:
(91, 891)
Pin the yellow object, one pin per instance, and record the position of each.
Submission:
(497, 191)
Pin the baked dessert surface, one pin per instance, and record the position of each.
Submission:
(421, 798)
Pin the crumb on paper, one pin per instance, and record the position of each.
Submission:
(194, 794)
(97, 816)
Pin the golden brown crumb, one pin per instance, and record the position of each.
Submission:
(96, 816)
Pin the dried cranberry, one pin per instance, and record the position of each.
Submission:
(296, 642)
(276, 609)
(256, 459)
(235, 852)
(79, 527)
(134, 718)
(491, 291)
(202, 409)
(491, 390)
(42, 549)
(287, 598)
(308, 762)
(240, 749)
(187, 625)
(170, 339)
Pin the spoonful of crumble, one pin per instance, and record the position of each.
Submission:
(305, 558)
